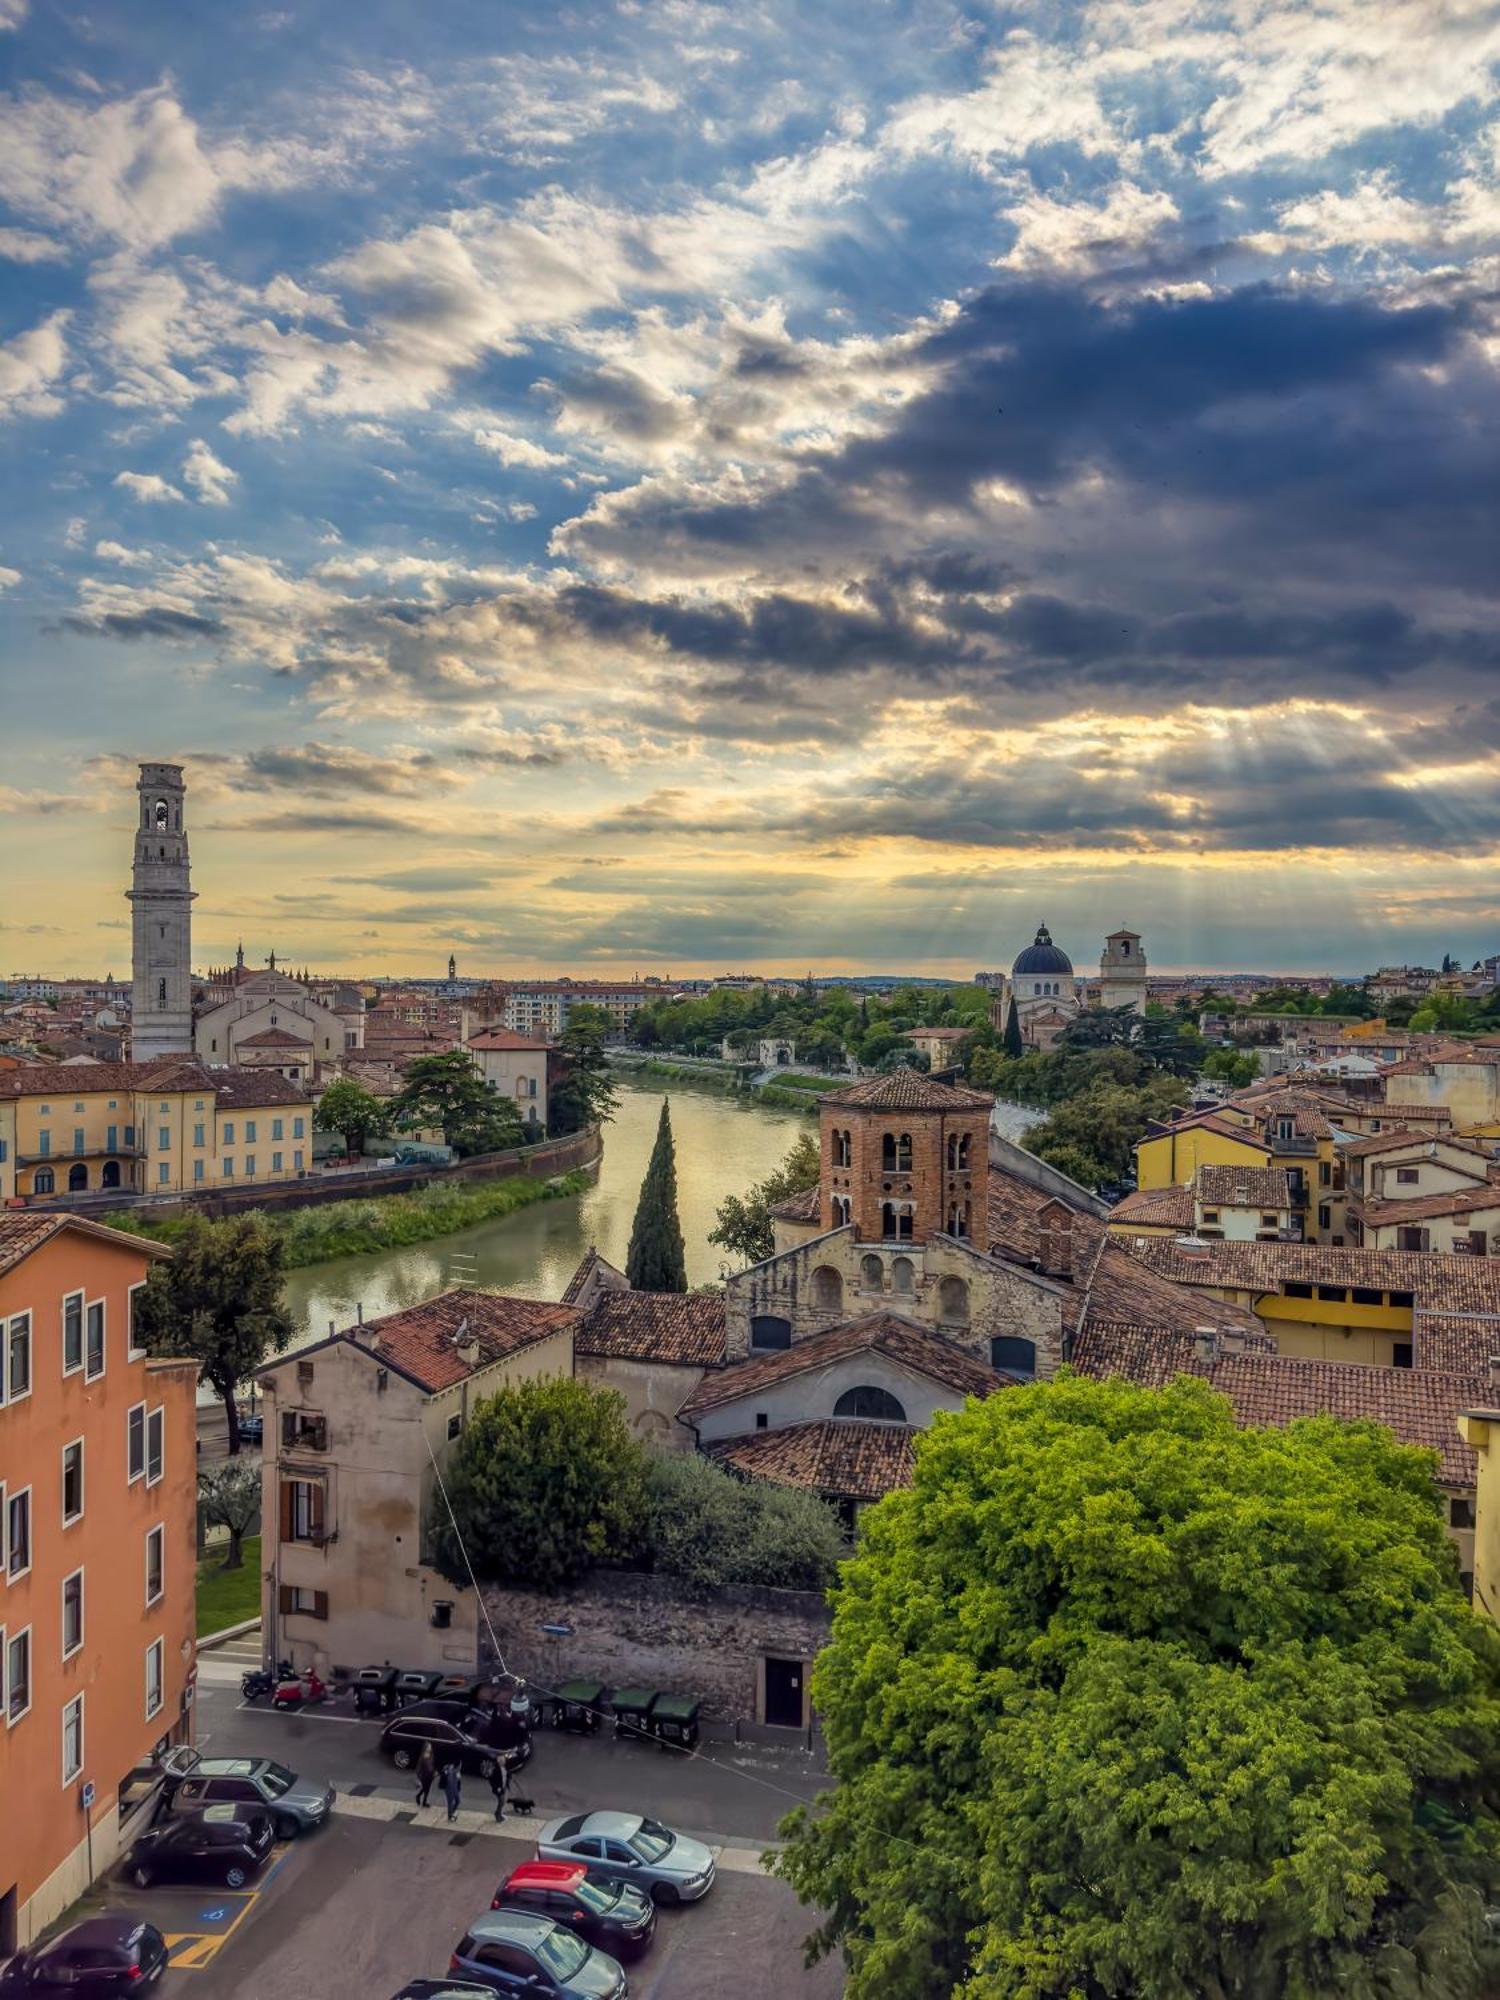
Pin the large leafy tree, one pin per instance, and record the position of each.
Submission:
(715, 1530)
(1124, 1700)
(584, 1092)
(219, 1302)
(447, 1091)
(743, 1224)
(656, 1261)
(357, 1114)
(545, 1482)
(229, 1495)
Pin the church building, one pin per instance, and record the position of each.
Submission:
(1044, 991)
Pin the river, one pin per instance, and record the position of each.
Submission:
(724, 1143)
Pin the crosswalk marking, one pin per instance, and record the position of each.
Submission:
(738, 1860)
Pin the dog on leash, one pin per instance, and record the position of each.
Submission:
(519, 1805)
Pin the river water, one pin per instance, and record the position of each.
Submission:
(724, 1143)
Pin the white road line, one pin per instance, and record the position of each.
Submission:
(516, 1826)
(313, 1714)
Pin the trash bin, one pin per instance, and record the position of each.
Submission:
(632, 1712)
(674, 1717)
(576, 1706)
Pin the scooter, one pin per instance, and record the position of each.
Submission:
(261, 1681)
(297, 1690)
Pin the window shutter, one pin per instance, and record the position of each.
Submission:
(288, 1427)
(320, 1434)
(315, 1511)
(320, 1604)
(285, 1598)
(286, 1510)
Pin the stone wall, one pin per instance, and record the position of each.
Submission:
(636, 1630)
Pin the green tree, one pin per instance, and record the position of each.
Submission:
(1231, 1066)
(447, 1091)
(545, 1482)
(714, 1530)
(583, 1094)
(1103, 1123)
(656, 1261)
(743, 1224)
(1449, 1011)
(1015, 1047)
(229, 1494)
(357, 1114)
(1123, 1699)
(218, 1301)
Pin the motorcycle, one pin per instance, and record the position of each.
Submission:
(258, 1682)
(297, 1690)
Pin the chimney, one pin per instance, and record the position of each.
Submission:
(1205, 1345)
(1055, 1241)
(466, 1343)
(1495, 1373)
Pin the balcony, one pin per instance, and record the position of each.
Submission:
(1294, 1145)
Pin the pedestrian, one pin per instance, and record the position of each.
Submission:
(499, 1781)
(426, 1773)
(453, 1788)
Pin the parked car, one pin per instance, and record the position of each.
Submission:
(406, 1732)
(220, 1844)
(296, 1805)
(512, 1951)
(444, 1989)
(617, 1917)
(667, 1865)
(498, 1727)
(252, 1427)
(112, 1953)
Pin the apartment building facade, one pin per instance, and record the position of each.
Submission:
(98, 1492)
(515, 1067)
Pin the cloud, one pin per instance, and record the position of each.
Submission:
(13, 13)
(30, 365)
(1058, 235)
(9, 578)
(147, 486)
(29, 246)
(208, 476)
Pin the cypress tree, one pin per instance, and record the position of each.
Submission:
(656, 1262)
(1014, 1046)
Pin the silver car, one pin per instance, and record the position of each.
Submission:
(295, 1804)
(672, 1868)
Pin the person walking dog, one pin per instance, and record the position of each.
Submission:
(426, 1774)
(499, 1784)
(453, 1788)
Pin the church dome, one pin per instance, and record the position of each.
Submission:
(1043, 956)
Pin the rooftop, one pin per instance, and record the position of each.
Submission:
(839, 1455)
(505, 1038)
(907, 1090)
(1244, 1187)
(683, 1328)
(423, 1341)
(804, 1207)
(1438, 1281)
(1168, 1207)
(25, 1230)
(1404, 1139)
(244, 1089)
(900, 1340)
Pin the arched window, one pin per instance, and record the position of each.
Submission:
(843, 1211)
(958, 1152)
(903, 1276)
(652, 1427)
(827, 1289)
(895, 1153)
(842, 1150)
(895, 1221)
(903, 1154)
(161, 817)
(42, 1181)
(958, 1219)
(768, 1331)
(110, 1177)
(78, 1178)
(1012, 1355)
(161, 992)
(874, 1405)
(888, 1152)
(871, 1274)
(953, 1301)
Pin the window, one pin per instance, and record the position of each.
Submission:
(44, 1140)
(895, 1221)
(1363, 1295)
(1325, 1172)
(155, 1427)
(197, 1170)
(249, 1131)
(18, 1359)
(895, 1153)
(1408, 1176)
(18, 1534)
(135, 1443)
(1401, 1354)
(250, 1166)
(198, 1139)
(17, 1676)
(163, 1173)
(163, 1138)
(276, 1131)
(1460, 1513)
(43, 1181)
(227, 1131)
(229, 1170)
(1210, 1215)
(310, 1603)
(72, 1482)
(1297, 1291)
(94, 1344)
(276, 1163)
(299, 1125)
(768, 1331)
(77, 1138)
(1325, 1216)
(301, 1510)
(296, 1163)
(156, 1557)
(1268, 1222)
(872, 1404)
(455, 1424)
(305, 1430)
(72, 1333)
(154, 1693)
(72, 1614)
(842, 1150)
(1012, 1355)
(72, 1739)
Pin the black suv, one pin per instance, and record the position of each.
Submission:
(449, 1727)
(222, 1843)
(113, 1953)
(616, 1916)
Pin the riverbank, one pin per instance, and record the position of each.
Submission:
(791, 1090)
(372, 1223)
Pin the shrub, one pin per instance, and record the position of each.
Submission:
(711, 1529)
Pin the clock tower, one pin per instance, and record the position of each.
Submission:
(161, 1006)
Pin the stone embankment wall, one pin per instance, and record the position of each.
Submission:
(631, 1630)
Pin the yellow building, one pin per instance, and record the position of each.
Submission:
(1480, 1430)
(162, 1128)
(1170, 1155)
(1461, 1077)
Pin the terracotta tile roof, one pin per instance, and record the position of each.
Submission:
(937, 1034)
(421, 1340)
(23, 1230)
(1417, 1207)
(804, 1207)
(908, 1090)
(1454, 1346)
(275, 1038)
(573, 1290)
(834, 1455)
(900, 1340)
(1419, 1405)
(1244, 1187)
(1209, 1121)
(504, 1038)
(243, 1089)
(180, 1072)
(1438, 1281)
(1400, 1140)
(685, 1329)
(1169, 1207)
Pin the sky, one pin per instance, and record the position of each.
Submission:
(683, 487)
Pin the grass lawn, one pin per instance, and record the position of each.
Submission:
(228, 1596)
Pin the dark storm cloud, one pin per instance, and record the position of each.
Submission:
(157, 621)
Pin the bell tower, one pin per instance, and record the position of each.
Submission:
(161, 1006)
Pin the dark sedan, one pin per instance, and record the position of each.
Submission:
(104, 1956)
(405, 1733)
(225, 1844)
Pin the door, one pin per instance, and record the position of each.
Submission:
(784, 1693)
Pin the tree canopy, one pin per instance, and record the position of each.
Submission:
(447, 1091)
(710, 1528)
(583, 1093)
(657, 1260)
(357, 1114)
(229, 1495)
(743, 1223)
(218, 1301)
(545, 1481)
(1124, 1700)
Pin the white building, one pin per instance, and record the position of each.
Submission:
(1044, 990)
(514, 1066)
(271, 1021)
(1122, 971)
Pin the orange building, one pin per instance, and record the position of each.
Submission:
(98, 1494)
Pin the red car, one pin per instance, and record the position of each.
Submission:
(615, 1916)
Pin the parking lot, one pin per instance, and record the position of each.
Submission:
(383, 1893)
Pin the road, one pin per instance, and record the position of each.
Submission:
(383, 1893)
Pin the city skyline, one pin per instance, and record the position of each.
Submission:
(678, 488)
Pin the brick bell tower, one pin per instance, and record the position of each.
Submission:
(906, 1158)
(161, 1003)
